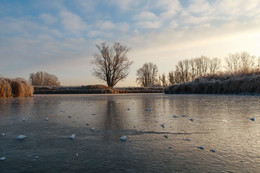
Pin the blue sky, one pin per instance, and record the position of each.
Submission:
(59, 36)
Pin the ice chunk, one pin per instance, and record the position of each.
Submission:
(252, 119)
(21, 137)
(123, 138)
(2, 158)
(147, 109)
(72, 136)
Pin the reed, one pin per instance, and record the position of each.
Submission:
(15, 88)
(5, 88)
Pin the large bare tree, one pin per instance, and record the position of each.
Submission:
(146, 76)
(112, 63)
(43, 79)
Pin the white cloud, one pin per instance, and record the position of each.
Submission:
(149, 24)
(72, 22)
(145, 15)
(199, 6)
(48, 19)
(123, 27)
(170, 7)
(98, 33)
(125, 5)
(25, 26)
(105, 25)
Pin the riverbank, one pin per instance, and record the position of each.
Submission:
(239, 83)
(95, 89)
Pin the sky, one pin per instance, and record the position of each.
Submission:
(60, 37)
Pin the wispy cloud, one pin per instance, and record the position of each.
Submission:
(72, 22)
(48, 19)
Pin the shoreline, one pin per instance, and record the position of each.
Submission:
(237, 84)
(95, 89)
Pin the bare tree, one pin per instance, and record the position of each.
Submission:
(258, 63)
(177, 75)
(164, 80)
(171, 78)
(214, 65)
(146, 76)
(192, 69)
(112, 63)
(248, 62)
(240, 62)
(43, 79)
(232, 62)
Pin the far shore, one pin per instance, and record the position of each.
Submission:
(95, 89)
(240, 84)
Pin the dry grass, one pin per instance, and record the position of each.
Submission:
(15, 88)
(5, 88)
(222, 83)
(88, 89)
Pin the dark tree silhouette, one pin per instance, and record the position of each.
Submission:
(112, 63)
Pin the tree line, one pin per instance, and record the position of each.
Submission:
(113, 65)
(190, 69)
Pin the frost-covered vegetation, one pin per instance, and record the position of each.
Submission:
(242, 76)
(88, 89)
(15, 88)
(95, 89)
(221, 83)
(44, 79)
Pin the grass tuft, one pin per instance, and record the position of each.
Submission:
(15, 88)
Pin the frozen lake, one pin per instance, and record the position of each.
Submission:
(157, 141)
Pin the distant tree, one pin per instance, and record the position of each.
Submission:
(258, 63)
(43, 79)
(163, 80)
(146, 76)
(248, 62)
(171, 78)
(112, 63)
(214, 65)
(240, 62)
(189, 69)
